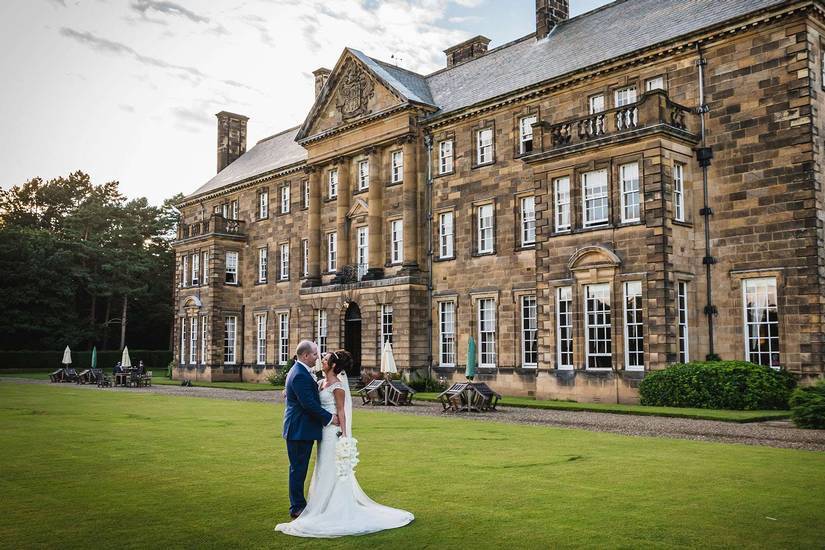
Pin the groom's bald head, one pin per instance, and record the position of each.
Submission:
(306, 352)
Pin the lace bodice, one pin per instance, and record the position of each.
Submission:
(327, 397)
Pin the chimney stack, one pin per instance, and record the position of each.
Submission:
(321, 77)
(550, 13)
(231, 138)
(467, 50)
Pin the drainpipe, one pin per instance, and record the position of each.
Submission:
(704, 155)
(428, 143)
(243, 339)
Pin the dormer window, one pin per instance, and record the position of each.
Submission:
(526, 134)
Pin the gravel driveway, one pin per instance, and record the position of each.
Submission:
(771, 433)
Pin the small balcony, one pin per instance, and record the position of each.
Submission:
(653, 112)
(215, 226)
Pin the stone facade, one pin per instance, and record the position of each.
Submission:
(588, 239)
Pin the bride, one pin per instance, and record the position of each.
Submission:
(336, 505)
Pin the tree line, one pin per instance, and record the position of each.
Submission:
(81, 265)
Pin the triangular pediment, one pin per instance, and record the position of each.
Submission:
(358, 87)
(359, 208)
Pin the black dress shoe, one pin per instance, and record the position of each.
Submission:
(294, 515)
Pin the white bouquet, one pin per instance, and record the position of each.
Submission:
(346, 456)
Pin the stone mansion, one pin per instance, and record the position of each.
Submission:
(636, 186)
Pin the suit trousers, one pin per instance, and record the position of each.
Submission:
(299, 452)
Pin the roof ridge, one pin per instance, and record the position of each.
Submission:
(388, 65)
(488, 52)
(282, 132)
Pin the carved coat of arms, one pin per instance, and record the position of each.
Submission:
(354, 93)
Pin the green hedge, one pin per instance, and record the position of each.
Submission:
(808, 406)
(733, 385)
(153, 359)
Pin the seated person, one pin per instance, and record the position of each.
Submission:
(140, 369)
(117, 368)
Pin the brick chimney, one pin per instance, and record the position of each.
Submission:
(321, 77)
(467, 50)
(231, 138)
(550, 13)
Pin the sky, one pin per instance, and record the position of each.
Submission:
(127, 90)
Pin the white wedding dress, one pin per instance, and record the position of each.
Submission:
(338, 507)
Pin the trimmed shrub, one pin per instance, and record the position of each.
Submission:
(426, 384)
(278, 378)
(808, 406)
(106, 359)
(735, 385)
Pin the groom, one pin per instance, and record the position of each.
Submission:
(304, 420)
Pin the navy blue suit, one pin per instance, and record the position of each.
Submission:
(304, 420)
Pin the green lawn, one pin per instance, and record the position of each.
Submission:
(248, 386)
(676, 412)
(89, 469)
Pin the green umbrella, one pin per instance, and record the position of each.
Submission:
(94, 357)
(471, 359)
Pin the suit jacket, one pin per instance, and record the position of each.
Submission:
(304, 417)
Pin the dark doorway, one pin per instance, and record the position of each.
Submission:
(352, 337)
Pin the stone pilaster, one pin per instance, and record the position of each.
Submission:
(314, 256)
(375, 217)
(343, 205)
(410, 205)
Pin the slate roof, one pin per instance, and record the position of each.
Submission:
(269, 154)
(608, 32)
(611, 31)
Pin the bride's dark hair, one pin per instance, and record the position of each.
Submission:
(340, 360)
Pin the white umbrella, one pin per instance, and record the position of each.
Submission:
(387, 359)
(67, 356)
(125, 361)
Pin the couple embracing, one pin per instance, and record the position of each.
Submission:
(322, 411)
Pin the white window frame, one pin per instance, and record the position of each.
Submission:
(596, 104)
(397, 166)
(233, 209)
(683, 330)
(484, 146)
(625, 96)
(526, 133)
(446, 235)
(485, 223)
(230, 341)
(603, 198)
(260, 339)
(529, 332)
(283, 338)
(193, 340)
(285, 198)
(679, 192)
(231, 268)
(205, 262)
(655, 83)
(562, 202)
(332, 184)
(763, 289)
(445, 156)
(528, 220)
(263, 205)
(183, 340)
(332, 252)
(564, 328)
(363, 175)
(600, 288)
(305, 257)
(263, 264)
(305, 192)
(396, 241)
(631, 203)
(486, 318)
(385, 321)
(321, 328)
(633, 326)
(185, 260)
(204, 332)
(362, 250)
(196, 269)
(447, 340)
(284, 257)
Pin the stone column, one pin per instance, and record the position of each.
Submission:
(375, 217)
(343, 205)
(410, 205)
(314, 259)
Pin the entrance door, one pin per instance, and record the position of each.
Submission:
(352, 337)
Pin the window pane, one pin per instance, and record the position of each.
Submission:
(634, 336)
(595, 198)
(529, 332)
(564, 328)
(761, 322)
(629, 175)
(597, 326)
